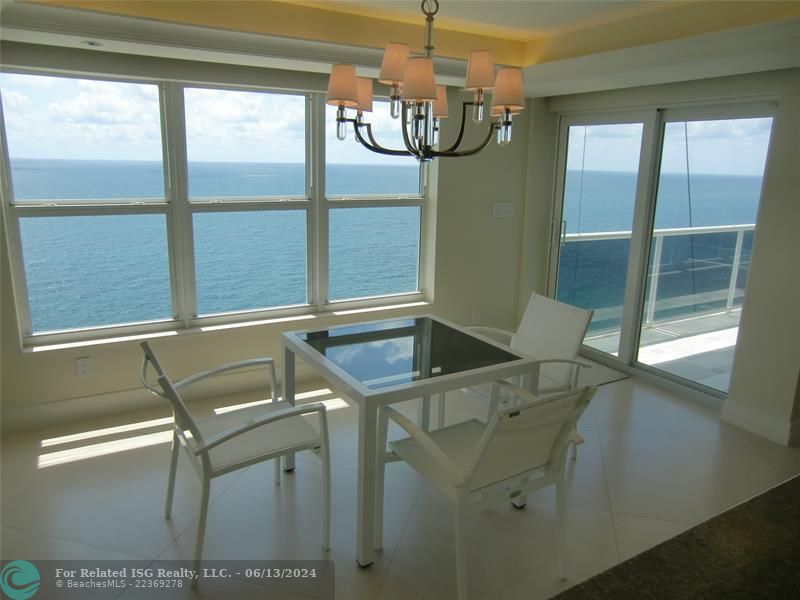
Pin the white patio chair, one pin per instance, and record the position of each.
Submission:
(237, 439)
(522, 448)
(552, 331)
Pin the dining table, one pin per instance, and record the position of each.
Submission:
(377, 363)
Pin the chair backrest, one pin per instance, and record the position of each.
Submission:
(527, 437)
(183, 418)
(551, 329)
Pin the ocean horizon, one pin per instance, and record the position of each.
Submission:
(100, 270)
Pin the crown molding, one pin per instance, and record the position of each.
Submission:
(750, 49)
(63, 27)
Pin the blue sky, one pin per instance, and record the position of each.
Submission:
(732, 147)
(55, 117)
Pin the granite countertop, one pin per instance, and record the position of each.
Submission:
(749, 551)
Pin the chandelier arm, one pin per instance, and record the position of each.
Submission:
(460, 136)
(372, 144)
(413, 150)
(475, 150)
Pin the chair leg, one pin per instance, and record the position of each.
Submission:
(325, 456)
(560, 528)
(521, 501)
(201, 529)
(575, 440)
(494, 400)
(277, 477)
(173, 467)
(425, 413)
(326, 496)
(380, 475)
(440, 420)
(461, 553)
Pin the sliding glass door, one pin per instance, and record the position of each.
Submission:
(599, 194)
(658, 214)
(708, 190)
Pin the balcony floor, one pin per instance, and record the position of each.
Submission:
(697, 348)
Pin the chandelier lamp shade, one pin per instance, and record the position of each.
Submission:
(420, 103)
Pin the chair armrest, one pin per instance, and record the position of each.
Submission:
(575, 366)
(532, 398)
(271, 417)
(577, 363)
(419, 436)
(498, 335)
(187, 381)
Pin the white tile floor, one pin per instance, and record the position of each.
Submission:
(652, 466)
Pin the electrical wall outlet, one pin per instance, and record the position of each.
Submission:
(501, 210)
(82, 366)
(476, 316)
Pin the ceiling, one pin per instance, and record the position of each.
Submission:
(517, 19)
(563, 46)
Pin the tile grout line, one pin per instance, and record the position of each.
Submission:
(608, 495)
(195, 520)
(78, 542)
(399, 541)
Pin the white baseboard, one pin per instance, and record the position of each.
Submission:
(784, 432)
(21, 418)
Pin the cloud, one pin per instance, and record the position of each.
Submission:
(105, 103)
(726, 129)
(16, 100)
(233, 117)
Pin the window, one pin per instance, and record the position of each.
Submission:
(375, 210)
(660, 247)
(374, 251)
(145, 206)
(247, 146)
(352, 170)
(88, 184)
(249, 260)
(91, 271)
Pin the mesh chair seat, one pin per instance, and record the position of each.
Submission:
(292, 432)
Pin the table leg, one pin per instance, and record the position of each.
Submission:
(367, 457)
(288, 396)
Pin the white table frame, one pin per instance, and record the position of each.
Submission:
(369, 400)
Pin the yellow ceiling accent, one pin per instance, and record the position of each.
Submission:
(674, 22)
(303, 22)
(338, 23)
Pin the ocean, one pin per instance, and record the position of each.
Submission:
(100, 270)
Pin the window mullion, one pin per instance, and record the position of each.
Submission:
(318, 200)
(179, 215)
(14, 244)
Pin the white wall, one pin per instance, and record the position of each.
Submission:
(765, 383)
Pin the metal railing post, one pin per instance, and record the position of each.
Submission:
(737, 259)
(651, 299)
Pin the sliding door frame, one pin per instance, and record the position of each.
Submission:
(653, 120)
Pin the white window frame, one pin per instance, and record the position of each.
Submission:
(334, 202)
(179, 211)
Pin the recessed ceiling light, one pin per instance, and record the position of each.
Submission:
(91, 43)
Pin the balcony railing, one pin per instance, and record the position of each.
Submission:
(713, 255)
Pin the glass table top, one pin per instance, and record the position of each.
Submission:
(404, 350)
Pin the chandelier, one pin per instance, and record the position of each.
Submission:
(420, 103)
